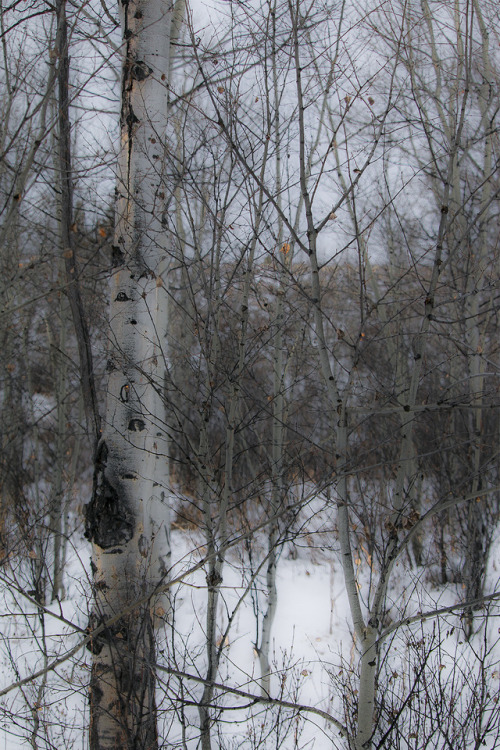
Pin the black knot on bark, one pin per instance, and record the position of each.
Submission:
(108, 521)
(131, 119)
(140, 71)
(213, 579)
(136, 425)
(117, 256)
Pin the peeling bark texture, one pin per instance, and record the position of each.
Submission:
(127, 519)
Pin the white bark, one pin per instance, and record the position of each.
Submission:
(127, 519)
(277, 479)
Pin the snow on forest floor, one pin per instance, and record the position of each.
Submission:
(311, 626)
(312, 648)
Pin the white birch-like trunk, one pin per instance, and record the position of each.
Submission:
(337, 407)
(277, 479)
(277, 497)
(127, 519)
(476, 326)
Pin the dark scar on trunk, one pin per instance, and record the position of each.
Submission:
(108, 520)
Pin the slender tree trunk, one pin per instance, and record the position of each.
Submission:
(476, 326)
(277, 479)
(215, 546)
(66, 227)
(127, 518)
(56, 520)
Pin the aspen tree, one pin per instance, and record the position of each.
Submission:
(127, 519)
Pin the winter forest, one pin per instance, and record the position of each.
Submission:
(249, 374)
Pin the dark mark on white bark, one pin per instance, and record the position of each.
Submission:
(108, 521)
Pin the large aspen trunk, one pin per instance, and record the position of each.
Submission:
(127, 518)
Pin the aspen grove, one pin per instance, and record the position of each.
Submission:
(250, 374)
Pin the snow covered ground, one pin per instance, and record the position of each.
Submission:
(313, 653)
